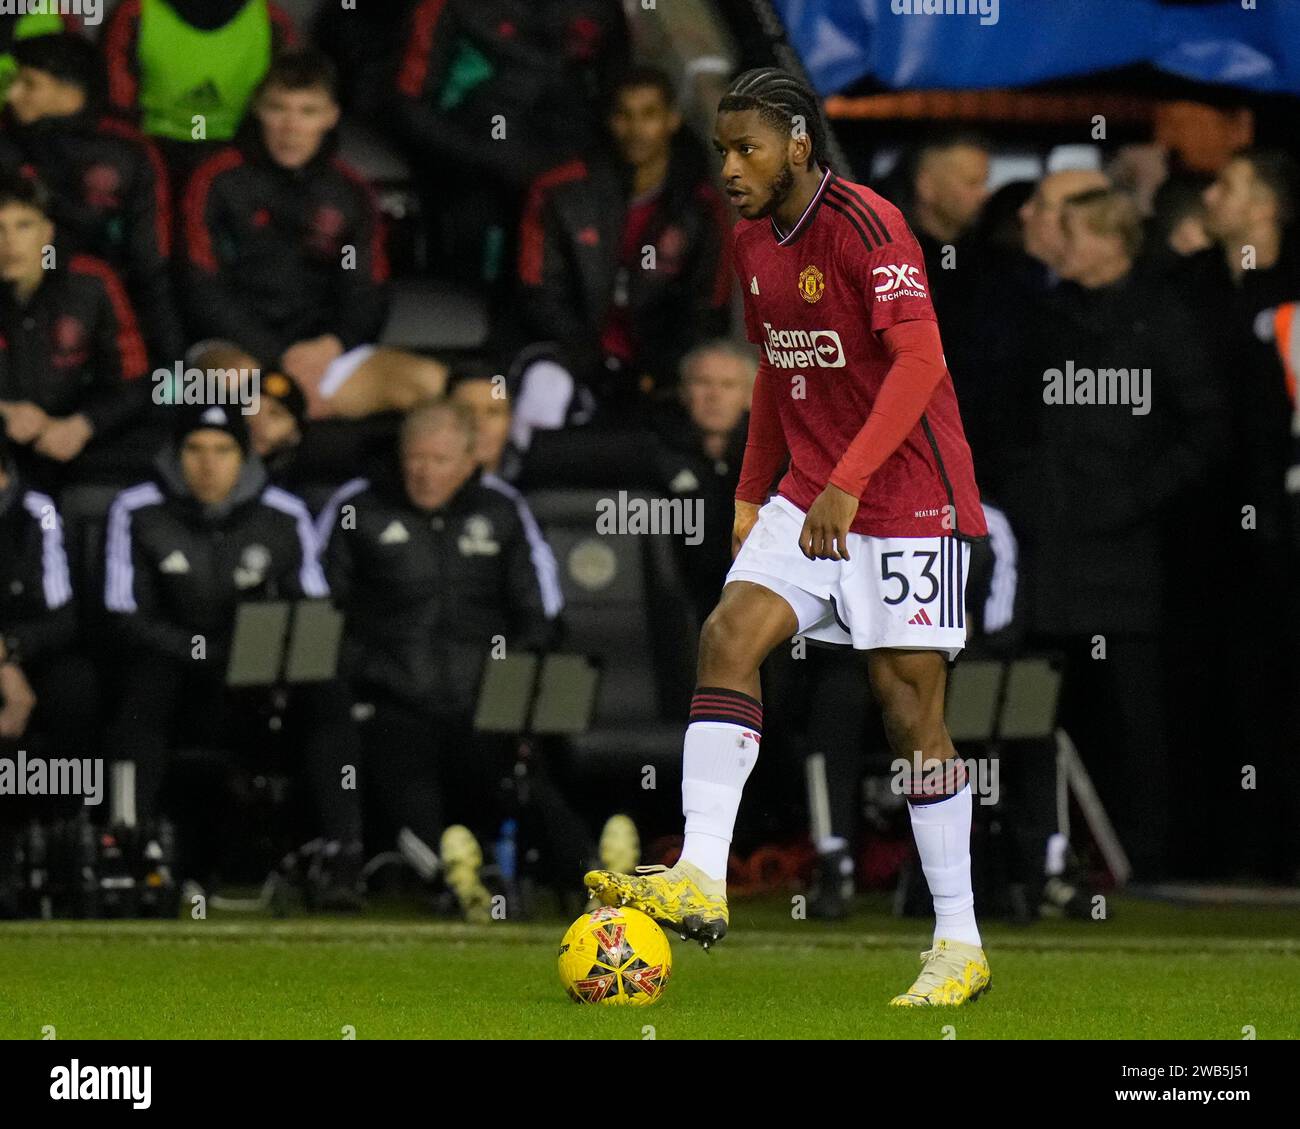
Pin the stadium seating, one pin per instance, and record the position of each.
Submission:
(624, 606)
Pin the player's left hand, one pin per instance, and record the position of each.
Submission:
(825, 533)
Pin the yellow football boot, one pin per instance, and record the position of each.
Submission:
(953, 974)
(620, 845)
(462, 858)
(683, 897)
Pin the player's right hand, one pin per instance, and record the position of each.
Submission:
(746, 515)
(825, 533)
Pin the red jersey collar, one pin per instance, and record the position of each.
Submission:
(808, 214)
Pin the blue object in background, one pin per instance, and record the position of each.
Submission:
(842, 41)
(507, 860)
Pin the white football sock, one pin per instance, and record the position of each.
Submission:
(716, 761)
(942, 833)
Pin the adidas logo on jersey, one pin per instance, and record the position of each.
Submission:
(921, 619)
(394, 534)
(174, 562)
(753, 284)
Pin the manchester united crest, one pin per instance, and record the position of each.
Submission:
(811, 284)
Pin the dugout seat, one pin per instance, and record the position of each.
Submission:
(625, 607)
(427, 316)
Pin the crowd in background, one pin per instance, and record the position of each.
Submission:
(151, 225)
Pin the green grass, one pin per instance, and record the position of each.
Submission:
(1152, 971)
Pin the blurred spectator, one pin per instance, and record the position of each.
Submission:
(1254, 269)
(366, 42)
(948, 188)
(308, 458)
(1140, 170)
(998, 228)
(183, 552)
(488, 94)
(1092, 482)
(1251, 275)
(702, 444)
(1179, 219)
(277, 428)
(436, 568)
(1285, 327)
(48, 700)
(14, 28)
(623, 259)
(38, 669)
(997, 272)
(108, 187)
(944, 188)
(286, 258)
(1044, 239)
(484, 394)
(187, 69)
(71, 357)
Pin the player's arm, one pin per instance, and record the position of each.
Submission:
(765, 447)
(915, 370)
(765, 452)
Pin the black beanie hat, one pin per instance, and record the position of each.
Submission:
(68, 57)
(216, 417)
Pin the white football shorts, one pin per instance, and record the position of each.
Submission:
(905, 592)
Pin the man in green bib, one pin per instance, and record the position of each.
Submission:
(188, 68)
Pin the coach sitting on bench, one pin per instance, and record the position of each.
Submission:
(436, 568)
(184, 551)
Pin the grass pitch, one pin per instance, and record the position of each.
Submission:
(1150, 971)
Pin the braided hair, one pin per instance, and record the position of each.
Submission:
(782, 101)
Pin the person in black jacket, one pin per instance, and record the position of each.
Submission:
(1251, 274)
(71, 357)
(183, 552)
(1121, 419)
(438, 569)
(48, 700)
(701, 443)
(489, 93)
(285, 257)
(109, 190)
(948, 189)
(39, 669)
(623, 257)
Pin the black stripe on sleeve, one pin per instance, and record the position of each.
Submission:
(867, 241)
(878, 231)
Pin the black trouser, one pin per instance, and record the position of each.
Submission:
(1026, 803)
(1113, 708)
(168, 704)
(64, 722)
(425, 770)
(63, 725)
(821, 703)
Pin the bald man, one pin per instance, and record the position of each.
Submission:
(949, 187)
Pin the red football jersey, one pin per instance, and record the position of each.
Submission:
(815, 300)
